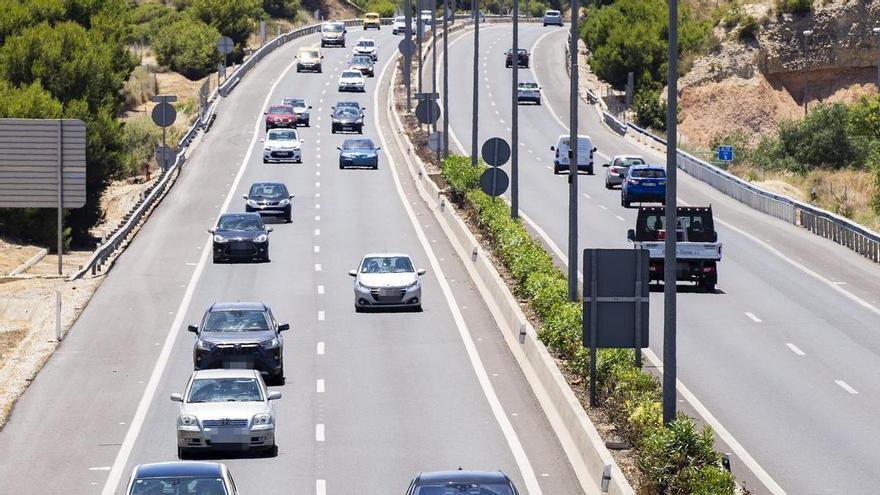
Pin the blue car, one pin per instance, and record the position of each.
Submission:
(643, 184)
(462, 483)
(359, 152)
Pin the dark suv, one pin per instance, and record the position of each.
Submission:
(523, 58)
(240, 335)
(461, 482)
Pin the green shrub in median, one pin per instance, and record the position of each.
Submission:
(675, 459)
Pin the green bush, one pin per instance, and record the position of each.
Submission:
(794, 6)
(460, 175)
(284, 9)
(147, 19)
(385, 8)
(188, 46)
(141, 137)
(650, 111)
(233, 18)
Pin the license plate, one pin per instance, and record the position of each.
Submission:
(649, 184)
(239, 364)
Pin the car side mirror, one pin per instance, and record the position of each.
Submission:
(606, 165)
(274, 395)
(244, 196)
(352, 273)
(265, 113)
(340, 149)
(421, 271)
(378, 148)
(310, 107)
(631, 235)
(332, 108)
(262, 140)
(553, 148)
(291, 196)
(284, 326)
(269, 229)
(192, 328)
(175, 397)
(211, 231)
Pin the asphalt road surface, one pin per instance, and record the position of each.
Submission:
(370, 399)
(784, 354)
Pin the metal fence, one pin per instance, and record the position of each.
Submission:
(207, 113)
(818, 221)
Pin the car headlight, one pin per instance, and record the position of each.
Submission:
(360, 121)
(261, 421)
(413, 284)
(261, 238)
(188, 422)
(284, 202)
(204, 345)
(271, 343)
(252, 203)
(359, 285)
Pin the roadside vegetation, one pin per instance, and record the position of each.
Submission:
(832, 140)
(631, 36)
(676, 459)
(77, 59)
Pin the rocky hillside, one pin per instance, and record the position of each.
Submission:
(754, 77)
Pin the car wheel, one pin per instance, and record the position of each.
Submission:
(217, 259)
(624, 202)
(319, 70)
(288, 217)
(376, 167)
(265, 161)
(308, 123)
(341, 166)
(418, 308)
(298, 69)
(183, 454)
(361, 129)
(539, 101)
(333, 129)
(271, 451)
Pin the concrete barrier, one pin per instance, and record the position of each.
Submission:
(592, 462)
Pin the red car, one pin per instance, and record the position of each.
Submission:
(523, 58)
(280, 116)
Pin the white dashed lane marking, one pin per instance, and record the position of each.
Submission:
(795, 349)
(320, 348)
(846, 387)
(753, 317)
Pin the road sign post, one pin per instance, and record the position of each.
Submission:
(725, 153)
(163, 115)
(225, 45)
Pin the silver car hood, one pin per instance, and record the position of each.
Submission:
(387, 279)
(225, 410)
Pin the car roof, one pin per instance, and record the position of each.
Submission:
(485, 477)
(348, 103)
(225, 373)
(240, 214)
(647, 166)
(279, 184)
(179, 469)
(232, 306)
(628, 157)
(385, 255)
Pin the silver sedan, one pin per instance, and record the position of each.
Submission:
(617, 168)
(226, 409)
(387, 280)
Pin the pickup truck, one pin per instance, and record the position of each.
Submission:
(697, 250)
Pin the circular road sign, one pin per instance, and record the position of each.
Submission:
(164, 114)
(406, 47)
(225, 45)
(435, 141)
(427, 111)
(494, 181)
(495, 152)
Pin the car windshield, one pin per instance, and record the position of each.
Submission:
(281, 109)
(247, 223)
(528, 85)
(628, 162)
(464, 489)
(582, 144)
(332, 28)
(552, 13)
(225, 390)
(351, 73)
(268, 191)
(236, 321)
(347, 112)
(387, 264)
(295, 102)
(367, 43)
(309, 54)
(649, 173)
(372, 16)
(357, 144)
(183, 485)
(362, 59)
(282, 135)
(352, 104)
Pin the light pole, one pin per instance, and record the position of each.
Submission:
(475, 11)
(876, 32)
(807, 34)
(407, 62)
(446, 78)
(573, 159)
(514, 127)
(670, 369)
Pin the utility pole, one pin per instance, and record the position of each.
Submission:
(670, 224)
(407, 60)
(573, 159)
(434, 56)
(876, 32)
(475, 150)
(445, 78)
(806, 40)
(514, 126)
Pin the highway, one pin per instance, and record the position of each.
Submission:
(784, 354)
(370, 399)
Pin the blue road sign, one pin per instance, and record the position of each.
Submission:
(725, 153)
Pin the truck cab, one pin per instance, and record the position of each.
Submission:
(697, 250)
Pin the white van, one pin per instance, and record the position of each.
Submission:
(562, 161)
(333, 33)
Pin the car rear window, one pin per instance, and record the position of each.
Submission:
(649, 173)
(184, 485)
(464, 488)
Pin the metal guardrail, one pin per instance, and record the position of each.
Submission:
(817, 220)
(615, 125)
(207, 114)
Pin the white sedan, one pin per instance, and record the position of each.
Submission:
(365, 46)
(282, 145)
(352, 80)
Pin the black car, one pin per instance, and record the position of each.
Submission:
(462, 482)
(241, 236)
(522, 59)
(269, 198)
(240, 335)
(352, 104)
(363, 63)
(170, 477)
(347, 119)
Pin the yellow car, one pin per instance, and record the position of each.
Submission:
(371, 20)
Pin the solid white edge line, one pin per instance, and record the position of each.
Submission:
(137, 422)
(795, 349)
(519, 454)
(846, 387)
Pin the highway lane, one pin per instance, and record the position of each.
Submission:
(397, 392)
(784, 407)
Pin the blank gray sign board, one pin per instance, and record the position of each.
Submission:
(30, 152)
(615, 284)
